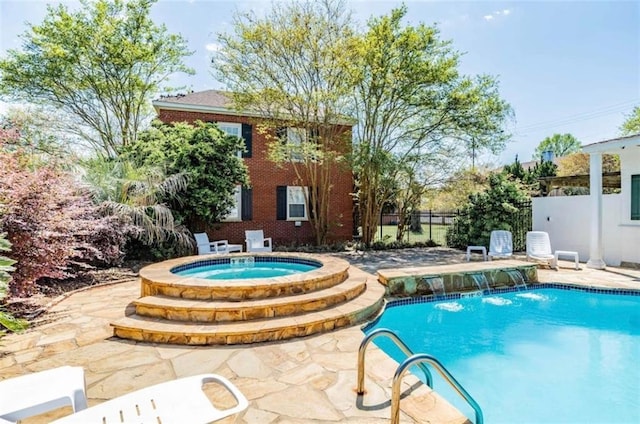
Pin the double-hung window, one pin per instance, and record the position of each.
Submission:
(296, 209)
(235, 212)
(290, 203)
(295, 139)
(232, 129)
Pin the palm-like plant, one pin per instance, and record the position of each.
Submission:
(7, 321)
(138, 195)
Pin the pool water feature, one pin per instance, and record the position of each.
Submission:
(517, 278)
(247, 268)
(536, 356)
(436, 284)
(481, 281)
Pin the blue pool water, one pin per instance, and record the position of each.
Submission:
(257, 270)
(539, 356)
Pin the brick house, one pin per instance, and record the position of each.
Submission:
(273, 202)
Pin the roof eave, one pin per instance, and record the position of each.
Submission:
(613, 145)
(159, 104)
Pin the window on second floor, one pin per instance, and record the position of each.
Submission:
(242, 131)
(635, 197)
(295, 139)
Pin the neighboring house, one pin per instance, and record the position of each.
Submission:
(274, 200)
(605, 229)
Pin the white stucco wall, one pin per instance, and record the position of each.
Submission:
(567, 220)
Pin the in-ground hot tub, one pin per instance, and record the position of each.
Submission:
(231, 277)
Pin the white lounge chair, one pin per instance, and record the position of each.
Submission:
(500, 244)
(36, 393)
(539, 248)
(256, 242)
(173, 402)
(206, 247)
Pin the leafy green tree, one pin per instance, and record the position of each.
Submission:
(559, 144)
(289, 66)
(100, 64)
(632, 124)
(411, 100)
(496, 208)
(455, 191)
(206, 157)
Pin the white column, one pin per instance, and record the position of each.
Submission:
(595, 193)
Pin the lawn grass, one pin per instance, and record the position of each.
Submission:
(438, 234)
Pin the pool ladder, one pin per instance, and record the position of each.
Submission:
(412, 359)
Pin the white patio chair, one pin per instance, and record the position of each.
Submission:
(39, 392)
(256, 242)
(178, 401)
(539, 247)
(500, 244)
(206, 247)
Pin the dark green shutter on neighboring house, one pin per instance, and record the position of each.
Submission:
(246, 195)
(246, 135)
(635, 197)
(281, 133)
(281, 203)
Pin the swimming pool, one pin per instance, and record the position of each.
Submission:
(547, 355)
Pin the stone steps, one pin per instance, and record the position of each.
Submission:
(359, 309)
(192, 311)
(180, 309)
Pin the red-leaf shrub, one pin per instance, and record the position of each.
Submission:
(55, 229)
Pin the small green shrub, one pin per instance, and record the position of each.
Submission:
(7, 321)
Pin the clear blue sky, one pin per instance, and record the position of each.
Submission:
(564, 66)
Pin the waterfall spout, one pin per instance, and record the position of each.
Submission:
(516, 277)
(436, 284)
(481, 281)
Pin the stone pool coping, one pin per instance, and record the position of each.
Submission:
(158, 278)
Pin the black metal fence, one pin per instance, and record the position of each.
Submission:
(452, 228)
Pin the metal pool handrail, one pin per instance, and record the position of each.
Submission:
(413, 359)
(394, 337)
(419, 359)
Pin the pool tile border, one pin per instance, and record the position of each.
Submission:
(391, 303)
(259, 259)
